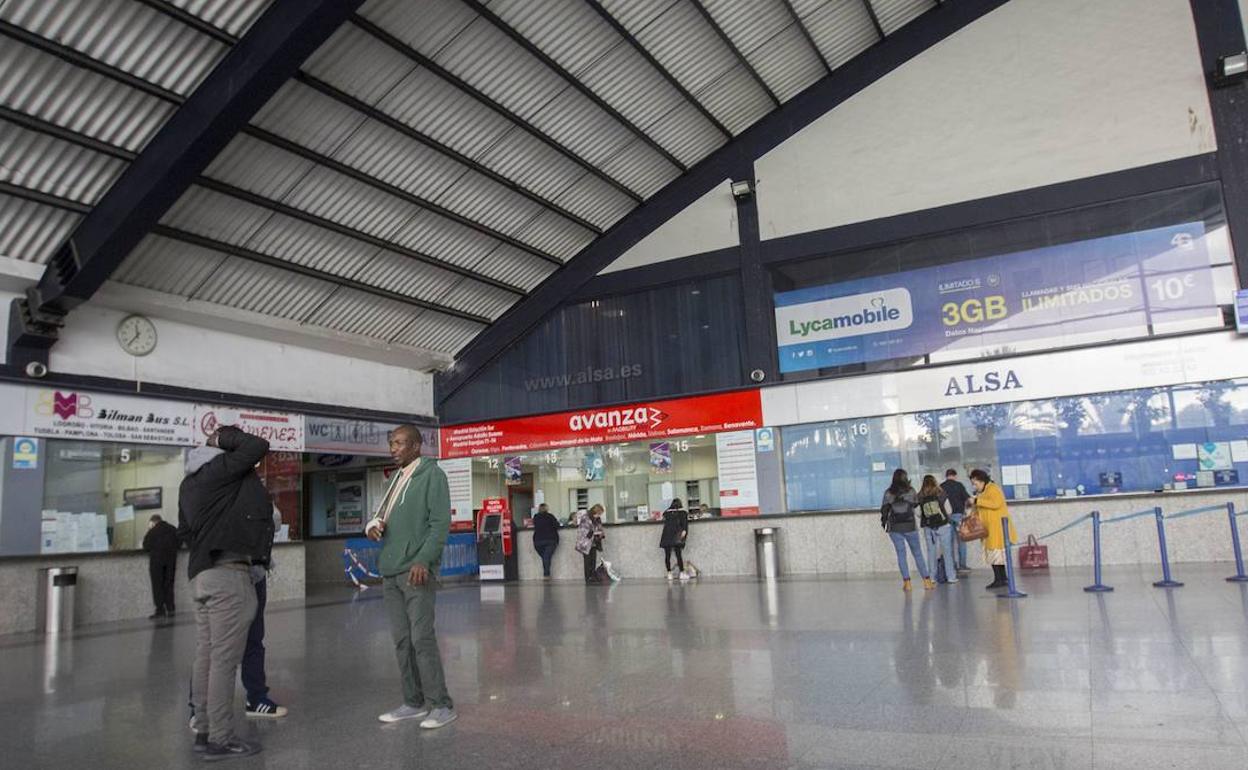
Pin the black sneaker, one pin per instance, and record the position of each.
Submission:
(201, 743)
(265, 709)
(232, 750)
(157, 615)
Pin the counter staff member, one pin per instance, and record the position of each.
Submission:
(414, 520)
(161, 545)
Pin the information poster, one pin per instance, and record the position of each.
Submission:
(1126, 284)
(738, 473)
(661, 458)
(513, 471)
(595, 467)
(350, 506)
(459, 479)
(1214, 456)
(25, 454)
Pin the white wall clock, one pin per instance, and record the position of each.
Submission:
(137, 335)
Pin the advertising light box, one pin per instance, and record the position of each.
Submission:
(1114, 287)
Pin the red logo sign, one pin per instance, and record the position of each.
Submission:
(64, 406)
(658, 419)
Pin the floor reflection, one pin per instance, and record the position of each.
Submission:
(797, 673)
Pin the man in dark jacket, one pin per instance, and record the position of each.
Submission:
(958, 498)
(161, 545)
(227, 517)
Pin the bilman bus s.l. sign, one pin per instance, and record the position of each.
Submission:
(737, 410)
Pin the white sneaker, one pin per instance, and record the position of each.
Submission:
(439, 718)
(684, 576)
(671, 576)
(403, 713)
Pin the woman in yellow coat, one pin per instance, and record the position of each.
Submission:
(990, 506)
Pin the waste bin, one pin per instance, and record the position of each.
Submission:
(56, 599)
(767, 552)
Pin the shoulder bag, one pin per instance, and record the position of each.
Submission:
(972, 528)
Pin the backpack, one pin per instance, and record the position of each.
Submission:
(899, 511)
(932, 513)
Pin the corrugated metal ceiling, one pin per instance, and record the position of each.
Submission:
(426, 169)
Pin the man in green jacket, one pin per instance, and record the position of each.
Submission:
(414, 519)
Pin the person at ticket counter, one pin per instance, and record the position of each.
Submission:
(897, 517)
(589, 537)
(989, 505)
(414, 519)
(675, 532)
(161, 543)
(545, 536)
(958, 497)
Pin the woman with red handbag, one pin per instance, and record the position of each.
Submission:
(990, 507)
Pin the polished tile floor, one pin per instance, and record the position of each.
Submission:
(721, 674)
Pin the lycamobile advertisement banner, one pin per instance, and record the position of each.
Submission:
(1116, 286)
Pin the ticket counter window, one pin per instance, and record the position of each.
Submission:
(65, 496)
(632, 481)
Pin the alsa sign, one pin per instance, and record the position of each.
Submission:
(656, 419)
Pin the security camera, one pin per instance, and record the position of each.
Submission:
(758, 375)
(37, 369)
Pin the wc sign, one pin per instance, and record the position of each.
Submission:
(25, 454)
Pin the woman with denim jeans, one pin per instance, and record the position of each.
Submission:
(935, 516)
(897, 518)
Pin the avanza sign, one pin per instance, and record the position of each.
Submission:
(738, 410)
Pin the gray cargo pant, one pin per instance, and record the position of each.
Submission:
(225, 605)
(410, 609)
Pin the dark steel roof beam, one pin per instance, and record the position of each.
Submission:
(464, 86)
(572, 80)
(206, 28)
(338, 96)
(620, 30)
(350, 232)
(192, 21)
(282, 264)
(736, 51)
(67, 135)
(398, 192)
(230, 249)
(788, 4)
(394, 123)
(219, 107)
(875, 18)
(77, 58)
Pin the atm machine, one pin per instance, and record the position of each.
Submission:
(496, 553)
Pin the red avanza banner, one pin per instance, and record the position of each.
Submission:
(654, 419)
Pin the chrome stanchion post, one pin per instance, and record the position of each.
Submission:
(1097, 586)
(1239, 576)
(1166, 580)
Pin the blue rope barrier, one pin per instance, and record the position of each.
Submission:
(1059, 530)
(1125, 516)
(1194, 511)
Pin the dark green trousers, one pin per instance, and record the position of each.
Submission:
(410, 609)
